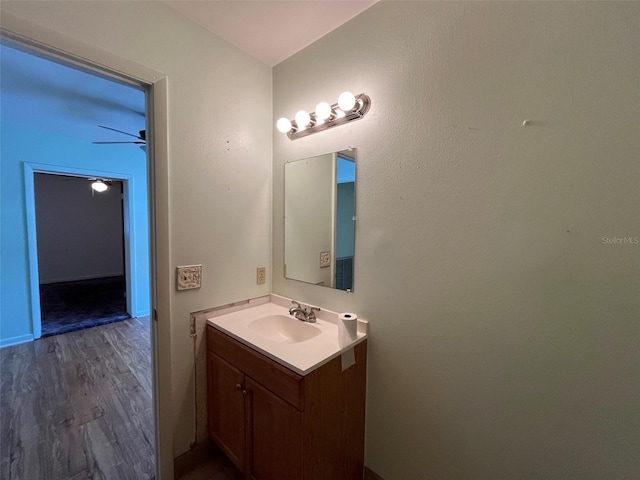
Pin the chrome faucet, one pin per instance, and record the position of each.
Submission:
(301, 313)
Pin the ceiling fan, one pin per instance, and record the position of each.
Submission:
(142, 137)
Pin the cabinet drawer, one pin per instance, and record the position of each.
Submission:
(280, 380)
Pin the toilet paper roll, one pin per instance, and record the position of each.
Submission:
(347, 334)
(347, 329)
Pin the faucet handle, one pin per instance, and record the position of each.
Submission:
(312, 312)
(295, 309)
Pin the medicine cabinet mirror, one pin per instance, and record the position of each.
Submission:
(319, 223)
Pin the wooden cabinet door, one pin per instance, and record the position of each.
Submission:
(226, 409)
(275, 429)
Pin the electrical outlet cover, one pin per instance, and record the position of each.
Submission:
(188, 276)
(261, 275)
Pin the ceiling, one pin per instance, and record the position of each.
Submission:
(270, 30)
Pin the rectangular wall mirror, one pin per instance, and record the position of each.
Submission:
(319, 223)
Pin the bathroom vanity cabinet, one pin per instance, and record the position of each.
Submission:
(275, 424)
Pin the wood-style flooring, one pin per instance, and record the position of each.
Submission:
(78, 406)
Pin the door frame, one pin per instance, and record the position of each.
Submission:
(42, 41)
(131, 272)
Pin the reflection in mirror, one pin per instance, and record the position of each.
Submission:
(319, 224)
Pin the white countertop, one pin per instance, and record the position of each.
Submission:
(302, 357)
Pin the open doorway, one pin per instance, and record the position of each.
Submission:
(81, 245)
(90, 393)
(53, 122)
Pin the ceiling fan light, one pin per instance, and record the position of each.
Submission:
(99, 186)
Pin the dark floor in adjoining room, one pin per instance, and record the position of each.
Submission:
(79, 405)
(70, 306)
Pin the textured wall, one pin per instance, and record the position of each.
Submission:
(505, 330)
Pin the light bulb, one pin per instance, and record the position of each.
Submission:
(283, 125)
(99, 186)
(323, 111)
(302, 119)
(346, 101)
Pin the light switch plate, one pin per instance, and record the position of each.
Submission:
(188, 276)
(325, 259)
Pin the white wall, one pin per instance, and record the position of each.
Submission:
(80, 234)
(505, 332)
(220, 144)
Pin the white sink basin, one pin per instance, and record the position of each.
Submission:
(269, 329)
(284, 329)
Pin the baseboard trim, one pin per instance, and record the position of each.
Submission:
(371, 475)
(7, 342)
(191, 459)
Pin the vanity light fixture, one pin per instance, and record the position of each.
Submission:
(99, 185)
(346, 101)
(303, 120)
(348, 108)
(283, 125)
(323, 111)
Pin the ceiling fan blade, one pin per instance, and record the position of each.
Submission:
(107, 143)
(120, 131)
